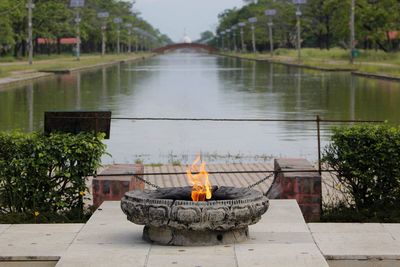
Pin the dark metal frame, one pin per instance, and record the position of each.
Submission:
(77, 121)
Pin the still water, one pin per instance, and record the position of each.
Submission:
(205, 86)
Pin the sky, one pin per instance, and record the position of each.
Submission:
(172, 17)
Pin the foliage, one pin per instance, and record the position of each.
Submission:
(54, 19)
(46, 174)
(369, 61)
(6, 35)
(337, 53)
(205, 37)
(367, 161)
(72, 216)
(325, 23)
(343, 213)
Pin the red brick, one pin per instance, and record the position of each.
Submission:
(309, 199)
(305, 187)
(311, 212)
(114, 187)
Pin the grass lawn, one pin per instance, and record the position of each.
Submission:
(370, 61)
(17, 67)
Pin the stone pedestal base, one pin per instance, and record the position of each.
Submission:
(113, 188)
(305, 187)
(174, 237)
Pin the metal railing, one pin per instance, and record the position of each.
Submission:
(318, 121)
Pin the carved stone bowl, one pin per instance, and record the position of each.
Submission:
(171, 218)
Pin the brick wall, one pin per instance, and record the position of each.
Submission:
(305, 187)
(113, 188)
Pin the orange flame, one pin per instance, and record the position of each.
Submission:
(201, 185)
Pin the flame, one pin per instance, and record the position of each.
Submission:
(201, 185)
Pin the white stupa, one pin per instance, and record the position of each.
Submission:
(186, 39)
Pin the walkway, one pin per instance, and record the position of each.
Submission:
(280, 239)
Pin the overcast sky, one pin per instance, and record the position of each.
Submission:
(173, 16)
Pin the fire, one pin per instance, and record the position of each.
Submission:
(201, 185)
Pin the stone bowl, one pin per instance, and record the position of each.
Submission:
(171, 218)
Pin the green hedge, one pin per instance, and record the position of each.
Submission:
(367, 161)
(46, 174)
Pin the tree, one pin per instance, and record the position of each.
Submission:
(51, 21)
(325, 23)
(54, 19)
(6, 33)
(205, 37)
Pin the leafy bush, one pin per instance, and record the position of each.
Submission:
(341, 212)
(367, 161)
(46, 174)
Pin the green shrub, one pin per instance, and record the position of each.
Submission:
(341, 212)
(46, 174)
(367, 161)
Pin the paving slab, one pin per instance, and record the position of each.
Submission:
(284, 211)
(4, 227)
(394, 230)
(221, 256)
(36, 241)
(257, 237)
(356, 241)
(347, 228)
(281, 217)
(109, 239)
(281, 238)
(282, 255)
(104, 255)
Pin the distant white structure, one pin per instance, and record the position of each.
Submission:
(186, 39)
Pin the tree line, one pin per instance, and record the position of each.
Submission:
(54, 20)
(325, 23)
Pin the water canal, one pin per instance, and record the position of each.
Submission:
(199, 85)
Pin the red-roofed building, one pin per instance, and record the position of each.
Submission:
(68, 41)
(393, 35)
(64, 41)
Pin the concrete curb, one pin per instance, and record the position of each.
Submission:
(299, 65)
(376, 76)
(96, 66)
(8, 82)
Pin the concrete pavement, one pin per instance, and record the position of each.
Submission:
(280, 239)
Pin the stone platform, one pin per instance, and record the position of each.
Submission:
(358, 245)
(280, 239)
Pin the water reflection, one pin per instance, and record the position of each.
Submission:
(195, 85)
(352, 98)
(29, 96)
(78, 91)
(271, 77)
(104, 87)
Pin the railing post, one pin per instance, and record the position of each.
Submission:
(319, 143)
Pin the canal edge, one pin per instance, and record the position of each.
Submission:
(351, 71)
(96, 66)
(10, 82)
